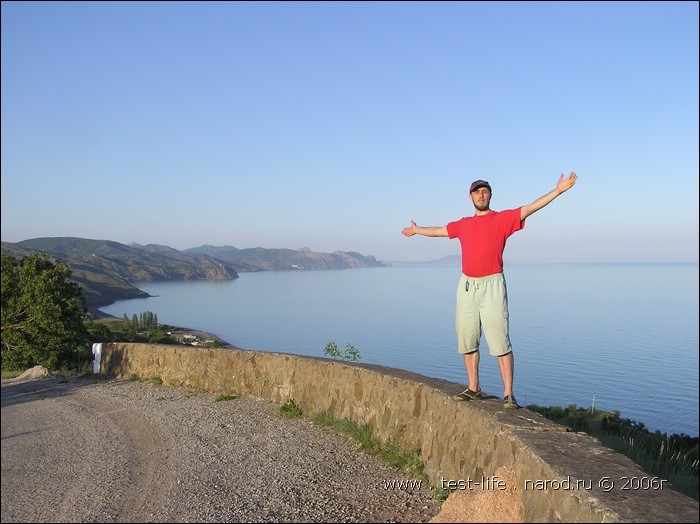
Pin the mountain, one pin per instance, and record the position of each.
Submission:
(265, 259)
(131, 263)
(104, 269)
(449, 260)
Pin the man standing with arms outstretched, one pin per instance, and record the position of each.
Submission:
(482, 300)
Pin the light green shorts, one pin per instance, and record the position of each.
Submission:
(482, 303)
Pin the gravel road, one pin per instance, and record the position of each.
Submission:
(85, 450)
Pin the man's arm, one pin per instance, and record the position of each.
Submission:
(413, 229)
(564, 184)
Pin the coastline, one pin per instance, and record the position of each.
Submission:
(178, 332)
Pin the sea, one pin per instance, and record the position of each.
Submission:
(614, 337)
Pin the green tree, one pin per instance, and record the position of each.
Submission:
(99, 332)
(42, 314)
(349, 353)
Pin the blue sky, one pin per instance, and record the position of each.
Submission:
(331, 125)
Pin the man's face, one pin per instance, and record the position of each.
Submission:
(481, 197)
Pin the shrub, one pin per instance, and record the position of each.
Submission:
(349, 353)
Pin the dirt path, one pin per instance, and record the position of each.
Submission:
(80, 450)
(68, 457)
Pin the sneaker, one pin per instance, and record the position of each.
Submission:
(468, 394)
(509, 402)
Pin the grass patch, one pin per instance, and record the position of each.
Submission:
(224, 398)
(411, 464)
(290, 409)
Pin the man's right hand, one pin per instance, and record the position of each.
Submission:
(410, 230)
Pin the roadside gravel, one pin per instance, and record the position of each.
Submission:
(81, 450)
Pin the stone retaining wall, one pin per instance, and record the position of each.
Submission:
(554, 474)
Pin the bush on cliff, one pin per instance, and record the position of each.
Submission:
(671, 457)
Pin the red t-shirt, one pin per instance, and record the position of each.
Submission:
(483, 239)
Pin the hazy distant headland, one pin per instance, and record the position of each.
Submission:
(104, 268)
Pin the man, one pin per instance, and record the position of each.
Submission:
(482, 301)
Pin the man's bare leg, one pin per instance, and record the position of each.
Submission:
(507, 364)
(471, 364)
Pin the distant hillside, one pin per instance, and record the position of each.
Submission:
(262, 259)
(449, 260)
(131, 263)
(105, 269)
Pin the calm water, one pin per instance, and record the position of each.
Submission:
(622, 336)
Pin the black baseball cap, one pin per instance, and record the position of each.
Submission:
(479, 183)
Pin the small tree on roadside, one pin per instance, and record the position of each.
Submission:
(42, 314)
